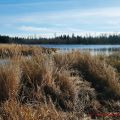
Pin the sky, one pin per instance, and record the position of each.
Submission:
(46, 18)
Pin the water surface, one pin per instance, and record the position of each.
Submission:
(94, 49)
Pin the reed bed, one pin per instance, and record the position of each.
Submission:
(9, 51)
(58, 86)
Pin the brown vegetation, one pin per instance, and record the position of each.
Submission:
(9, 51)
(58, 86)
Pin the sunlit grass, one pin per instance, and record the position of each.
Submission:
(57, 86)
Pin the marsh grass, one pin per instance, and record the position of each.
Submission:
(114, 60)
(9, 81)
(9, 51)
(57, 86)
(40, 74)
(93, 70)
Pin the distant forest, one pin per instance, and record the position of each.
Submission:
(64, 39)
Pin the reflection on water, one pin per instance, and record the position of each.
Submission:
(93, 49)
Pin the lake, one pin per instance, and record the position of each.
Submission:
(93, 49)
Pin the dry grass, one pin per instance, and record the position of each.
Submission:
(16, 111)
(114, 60)
(9, 51)
(92, 68)
(57, 86)
(41, 75)
(9, 81)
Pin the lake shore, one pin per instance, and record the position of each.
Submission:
(71, 85)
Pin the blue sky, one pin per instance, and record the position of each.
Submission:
(46, 17)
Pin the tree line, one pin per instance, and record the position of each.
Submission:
(64, 39)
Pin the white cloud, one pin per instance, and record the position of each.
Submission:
(34, 29)
(71, 14)
(49, 32)
(68, 17)
(77, 21)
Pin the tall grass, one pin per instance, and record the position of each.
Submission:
(9, 51)
(41, 75)
(93, 69)
(57, 86)
(9, 81)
